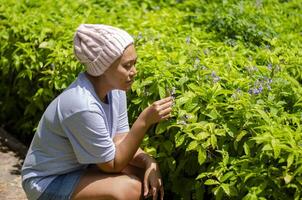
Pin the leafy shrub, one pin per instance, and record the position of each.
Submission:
(235, 69)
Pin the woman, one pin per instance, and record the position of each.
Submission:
(83, 147)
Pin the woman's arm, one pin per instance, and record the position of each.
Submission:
(127, 148)
(152, 182)
(140, 159)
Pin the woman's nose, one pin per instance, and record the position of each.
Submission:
(133, 71)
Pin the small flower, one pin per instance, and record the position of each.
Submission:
(256, 91)
(258, 3)
(270, 66)
(157, 8)
(173, 93)
(277, 68)
(260, 89)
(251, 69)
(254, 68)
(236, 94)
(205, 51)
(215, 77)
(188, 39)
(196, 63)
(181, 122)
(139, 36)
(184, 119)
(204, 67)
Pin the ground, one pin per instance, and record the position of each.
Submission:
(10, 179)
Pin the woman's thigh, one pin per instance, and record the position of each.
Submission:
(96, 185)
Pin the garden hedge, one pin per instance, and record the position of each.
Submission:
(234, 67)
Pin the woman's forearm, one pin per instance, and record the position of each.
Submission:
(126, 150)
(141, 159)
(127, 147)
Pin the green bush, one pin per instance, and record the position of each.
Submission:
(235, 68)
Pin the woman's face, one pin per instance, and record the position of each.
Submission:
(122, 72)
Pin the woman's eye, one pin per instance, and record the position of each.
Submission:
(127, 66)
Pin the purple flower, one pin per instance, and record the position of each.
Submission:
(256, 91)
(270, 81)
(215, 77)
(270, 66)
(260, 89)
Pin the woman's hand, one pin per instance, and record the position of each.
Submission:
(153, 184)
(159, 110)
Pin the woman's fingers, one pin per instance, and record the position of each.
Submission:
(161, 189)
(165, 108)
(154, 193)
(164, 100)
(162, 193)
(166, 105)
(146, 189)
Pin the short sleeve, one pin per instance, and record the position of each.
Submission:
(123, 124)
(89, 137)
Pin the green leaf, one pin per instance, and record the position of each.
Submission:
(213, 114)
(246, 149)
(276, 148)
(211, 182)
(290, 159)
(161, 127)
(226, 188)
(202, 175)
(168, 146)
(240, 135)
(288, 178)
(192, 146)
(161, 91)
(213, 141)
(202, 155)
(179, 139)
(226, 176)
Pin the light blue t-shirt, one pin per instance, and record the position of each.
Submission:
(75, 130)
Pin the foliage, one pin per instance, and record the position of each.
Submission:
(234, 66)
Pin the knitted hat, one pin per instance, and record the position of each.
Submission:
(97, 46)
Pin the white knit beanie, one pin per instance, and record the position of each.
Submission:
(97, 46)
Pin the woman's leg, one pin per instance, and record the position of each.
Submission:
(96, 185)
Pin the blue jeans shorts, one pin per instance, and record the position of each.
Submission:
(62, 187)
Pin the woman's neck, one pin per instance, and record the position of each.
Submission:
(99, 87)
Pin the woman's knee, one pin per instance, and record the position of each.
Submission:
(130, 189)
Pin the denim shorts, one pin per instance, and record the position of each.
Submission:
(62, 187)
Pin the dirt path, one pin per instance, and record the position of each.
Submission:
(10, 179)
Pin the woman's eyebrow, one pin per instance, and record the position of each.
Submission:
(130, 60)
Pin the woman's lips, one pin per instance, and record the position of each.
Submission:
(130, 82)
